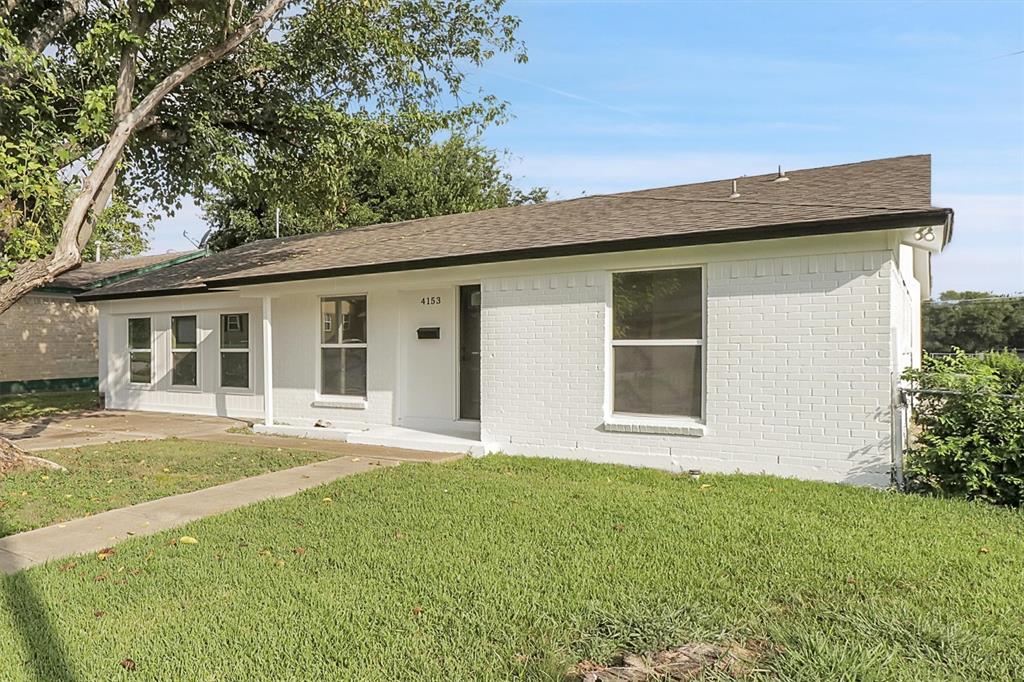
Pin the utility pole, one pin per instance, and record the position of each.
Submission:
(277, 223)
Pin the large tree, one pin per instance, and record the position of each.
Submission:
(153, 100)
(419, 179)
(975, 321)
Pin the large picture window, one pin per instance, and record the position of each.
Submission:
(343, 346)
(234, 350)
(140, 350)
(658, 342)
(184, 351)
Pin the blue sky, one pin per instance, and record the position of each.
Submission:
(624, 95)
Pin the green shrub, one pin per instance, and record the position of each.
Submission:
(970, 415)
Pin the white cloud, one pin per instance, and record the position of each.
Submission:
(984, 214)
(987, 252)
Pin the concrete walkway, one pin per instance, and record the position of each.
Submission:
(93, 533)
(92, 427)
(96, 427)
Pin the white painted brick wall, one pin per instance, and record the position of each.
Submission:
(798, 369)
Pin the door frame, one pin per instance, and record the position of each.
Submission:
(457, 407)
(400, 408)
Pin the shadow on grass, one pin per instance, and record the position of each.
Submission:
(30, 616)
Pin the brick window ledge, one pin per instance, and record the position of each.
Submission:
(666, 426)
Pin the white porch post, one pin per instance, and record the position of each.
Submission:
(268, 364)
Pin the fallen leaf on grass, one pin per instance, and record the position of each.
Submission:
(618, 527)
(984, 550)
(99, 614)
(68, 566)
(328, 500)
(417, 610)
(705, 486)
(188, 540)
(299, 550)
(128, 664)
(279, 562)
(100, 578)
(106, 553)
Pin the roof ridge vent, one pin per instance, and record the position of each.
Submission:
(735, 191)
(781, 177)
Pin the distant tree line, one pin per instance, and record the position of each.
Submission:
(975, 321)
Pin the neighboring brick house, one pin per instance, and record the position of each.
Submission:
(48, 341)
(757, 325)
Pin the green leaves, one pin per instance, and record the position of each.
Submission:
(971, 414)
(299, 108)
(373, 178)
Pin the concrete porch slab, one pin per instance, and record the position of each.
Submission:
(385, 436)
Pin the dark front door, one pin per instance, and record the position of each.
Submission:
(469, 351)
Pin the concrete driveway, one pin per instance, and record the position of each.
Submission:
(110, 426)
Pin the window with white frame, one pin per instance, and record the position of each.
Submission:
(658, 342)
(184, 351)
(140, 350)
(343, 346)
(234, 350)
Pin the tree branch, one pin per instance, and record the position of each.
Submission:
(50, 26)
(124, 92)
(77, 228)
(47, 29)
(7, 7)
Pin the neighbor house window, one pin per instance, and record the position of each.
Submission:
(140, 350)
(234, 350)
(343, 346)
(658, 342)
(184, 353)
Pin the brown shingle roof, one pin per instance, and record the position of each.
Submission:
(858, 196)
(90, 273)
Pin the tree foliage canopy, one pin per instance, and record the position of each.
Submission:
(454, 176)
(152, 100)
(975, 321)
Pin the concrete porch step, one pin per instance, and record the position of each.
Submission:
(387, 436)
(399, 437)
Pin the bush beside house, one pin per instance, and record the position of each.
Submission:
(970, 411)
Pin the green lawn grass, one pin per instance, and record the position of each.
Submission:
(35, 405)
(511, 568)
(102, 477)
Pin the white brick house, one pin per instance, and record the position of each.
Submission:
(759, 327)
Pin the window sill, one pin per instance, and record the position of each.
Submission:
(666, 426)
(340, 403)
(234, 390)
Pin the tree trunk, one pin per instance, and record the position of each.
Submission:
(13, 458)
(78, 223)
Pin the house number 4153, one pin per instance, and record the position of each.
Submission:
(430, 300)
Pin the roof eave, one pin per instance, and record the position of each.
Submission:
(754, 233)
